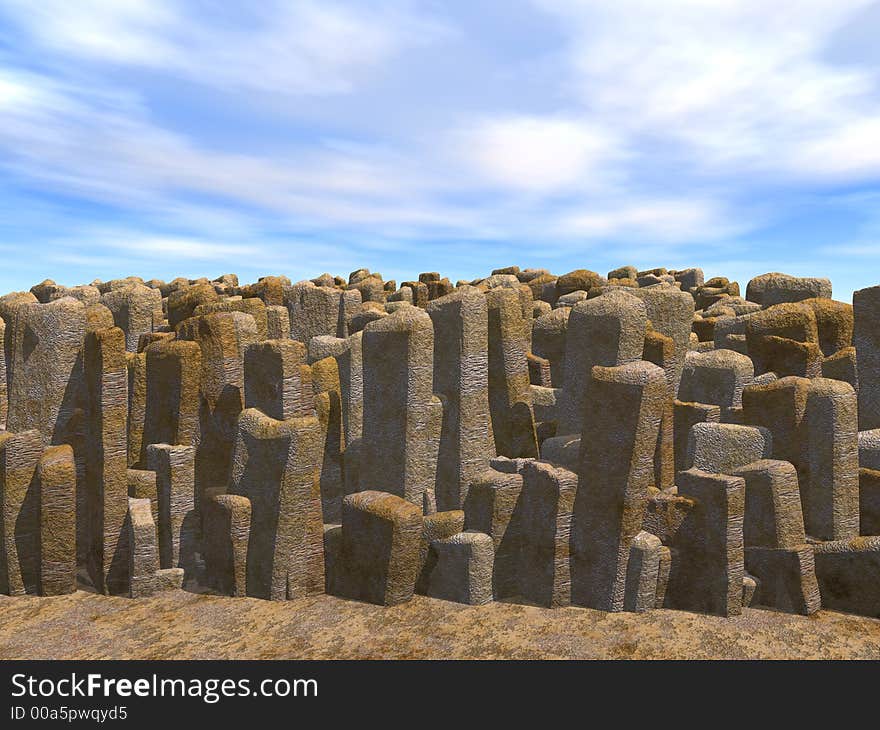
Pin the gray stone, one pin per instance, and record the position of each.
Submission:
(461, 376)
(625, 404)
(143, 552)
(721, 448)
(463, 568)
(381, 536)
(608, 330)
(402, 418)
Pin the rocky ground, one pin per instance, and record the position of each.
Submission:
(181, 625)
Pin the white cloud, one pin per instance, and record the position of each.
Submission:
(127, 31)
(725, 86)
(663, 124)
(536, 154)
(66, 139)
(301, 47)
(664, 220)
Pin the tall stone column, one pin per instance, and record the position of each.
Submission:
(402, 418)
(275, 465)
(461, 366)
(624, 407)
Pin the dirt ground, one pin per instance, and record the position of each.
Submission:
(180, 625)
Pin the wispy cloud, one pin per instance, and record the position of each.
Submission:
(304, 47)
(307, 134)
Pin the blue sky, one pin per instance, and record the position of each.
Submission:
(166, 138)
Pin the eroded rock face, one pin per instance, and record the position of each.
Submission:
(652, 439)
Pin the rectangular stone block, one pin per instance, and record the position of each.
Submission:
(176, 513)
(276, 379)
(773, 516)
(227, 527)
(721, 448)
(684, 416)
(462, 571)
(142, 553)
(848, 572)
(493, 506)
(618, 443)
(275, 465)
(548, 495)
(706, 575)
(56, 473)
(786, 578)
(642, 573)
(20, 505)
(381, 536)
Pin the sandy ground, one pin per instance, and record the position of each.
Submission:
(180, 625)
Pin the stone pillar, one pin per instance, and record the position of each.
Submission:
(402, 419)
(56, 473)
(177, 521)
(671, 313)
(136, 310)
(624, 407)
(548, 340)
(461, 364)
(831, 494)
(381, 535)
(319, 310)
(137, 404)
(643, 573)
(20, 505)
(275, 465)
(493, 506)
(608, 330)
(686, 415)
(174, 369)
(510, 397)
(4, 399)
(463, 568)
(227, 521)
(548, 495)
(44, 355)
(866, 338)
(716, 377)
(106, 493)
(325, 381)
(707, 569)
(813, 422)
(277, 323)
(349, 357)
(277, 380)
(223, 338)
(143, 553)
